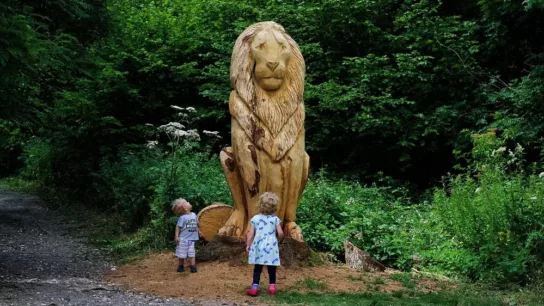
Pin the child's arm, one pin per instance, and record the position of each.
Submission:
(177, 234)
(250, 236)
(280, 232)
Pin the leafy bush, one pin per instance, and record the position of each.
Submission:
(333, 211)
(144, 180)
(129, 184)
(38, 159)
(484, 228)
(496, 222)
(492, 222)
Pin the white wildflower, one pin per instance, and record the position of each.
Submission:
(183, 115)
(177, 107)
(171, 127)
(151, 144)
(350, 201)
(193, 135)
(499, 150)
(148, 124)
(180, 134)
(212, 134)
(541, 175)
(191, 109)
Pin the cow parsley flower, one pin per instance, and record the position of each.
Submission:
(193, 135)
(180, 134)
(171, 127)
(212, 134)
(151, 144)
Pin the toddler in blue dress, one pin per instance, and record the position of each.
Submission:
(262, 242)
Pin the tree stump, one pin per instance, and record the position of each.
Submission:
(212, 218)
(222, 248)
(359, 260)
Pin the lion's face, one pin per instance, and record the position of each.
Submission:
(271, 53)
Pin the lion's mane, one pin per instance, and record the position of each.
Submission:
(272, 120)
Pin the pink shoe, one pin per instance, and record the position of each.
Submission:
(252, 291)
(272, 289)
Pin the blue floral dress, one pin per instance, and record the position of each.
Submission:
(265, 249)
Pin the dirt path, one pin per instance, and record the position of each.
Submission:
(43, 260)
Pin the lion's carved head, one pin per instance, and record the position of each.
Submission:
(265, 58)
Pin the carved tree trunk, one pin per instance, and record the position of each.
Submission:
(359, 260)
(267, 108)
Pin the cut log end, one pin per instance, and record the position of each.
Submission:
(212, 218)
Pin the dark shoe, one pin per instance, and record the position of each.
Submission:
(181, 269)
(193, 269)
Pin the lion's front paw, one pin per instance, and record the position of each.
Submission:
(234, 227)
(292, 230)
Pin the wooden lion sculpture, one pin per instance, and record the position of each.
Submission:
(267, 154)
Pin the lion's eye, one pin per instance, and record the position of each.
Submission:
(283, 47)
(260, 46)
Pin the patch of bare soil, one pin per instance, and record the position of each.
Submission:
(227, 282)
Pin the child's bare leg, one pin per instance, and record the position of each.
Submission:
(181, 261)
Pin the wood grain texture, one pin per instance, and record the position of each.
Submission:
(267, 109)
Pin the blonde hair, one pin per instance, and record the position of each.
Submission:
(178, 205)
(268, 203)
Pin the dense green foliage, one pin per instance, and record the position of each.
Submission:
(399, 93)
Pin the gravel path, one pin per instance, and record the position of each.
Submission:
(41, 264)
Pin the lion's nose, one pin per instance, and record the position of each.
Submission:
(272, 65)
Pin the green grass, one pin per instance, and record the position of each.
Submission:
(17, 184)
(405, 298)
(463, 295)
(356, 278)
(311, 284)
(378, 281)
(405, 279)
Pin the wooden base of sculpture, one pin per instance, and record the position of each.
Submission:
(293, 253)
